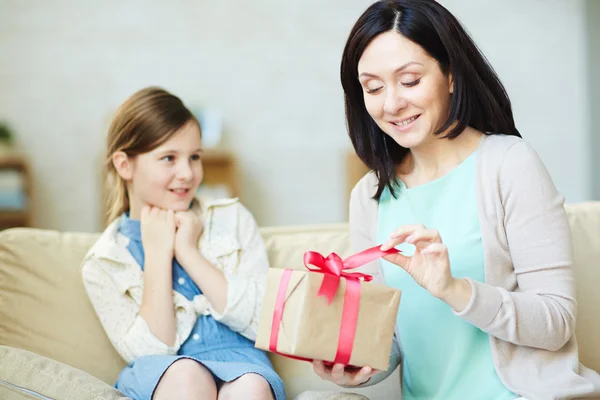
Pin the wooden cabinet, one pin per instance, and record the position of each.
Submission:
(220, 174)
(16, 204)
(355, 169)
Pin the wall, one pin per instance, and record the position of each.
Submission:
(592, 12)
(272, 67)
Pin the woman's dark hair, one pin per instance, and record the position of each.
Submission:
(479, 99)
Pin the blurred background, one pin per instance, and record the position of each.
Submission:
(264, 77)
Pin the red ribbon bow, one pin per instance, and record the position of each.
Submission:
(334, 268)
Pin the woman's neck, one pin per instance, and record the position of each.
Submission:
(437, 157)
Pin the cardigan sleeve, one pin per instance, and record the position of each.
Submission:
(541, 312)
(363, 220)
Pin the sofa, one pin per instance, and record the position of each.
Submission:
(53, 346)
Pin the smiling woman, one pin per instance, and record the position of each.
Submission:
(488, 308)
(404, 60)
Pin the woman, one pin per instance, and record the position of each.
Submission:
(488, 306)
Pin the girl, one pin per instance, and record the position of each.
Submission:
(488, 305)
(176, 284)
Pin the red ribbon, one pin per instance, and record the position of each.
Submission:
(334, 268)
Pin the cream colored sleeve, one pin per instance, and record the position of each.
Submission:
(246, 284)
(118, 314)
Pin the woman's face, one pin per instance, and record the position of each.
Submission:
(405, 91)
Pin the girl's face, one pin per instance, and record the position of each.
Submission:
(405, 91)
(168, 176)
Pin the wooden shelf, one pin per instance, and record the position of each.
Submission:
(13, 218)
(220, 169)
(9, 159)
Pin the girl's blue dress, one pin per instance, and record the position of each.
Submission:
(225, 353)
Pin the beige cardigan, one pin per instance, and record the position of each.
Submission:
(527, 303)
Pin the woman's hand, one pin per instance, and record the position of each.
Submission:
(158, 233)
(189, 229)
(429, 266)
(342, 376)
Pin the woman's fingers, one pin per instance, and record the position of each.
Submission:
(436, 249)
(398, 259)
(418, 235)
(400, 235)
(340, 376)
(421, 238)
(406, 229)
(363, 375)
(391, 243)
(319, 369)
(337, 372)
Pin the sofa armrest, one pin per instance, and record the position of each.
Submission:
(26, 375)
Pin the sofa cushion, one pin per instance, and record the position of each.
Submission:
(44, 307)
(10, 392)
(25, 375)
(584, 219)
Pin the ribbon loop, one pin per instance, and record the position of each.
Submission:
(334, 268)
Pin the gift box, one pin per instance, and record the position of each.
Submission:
(329, 313)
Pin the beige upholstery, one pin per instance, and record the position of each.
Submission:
(584, 219)
(44, 309)
(40, 375)
(44, 306)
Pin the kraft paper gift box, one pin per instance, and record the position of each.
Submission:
(327, 313)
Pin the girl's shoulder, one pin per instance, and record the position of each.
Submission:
(226, 214)
(227, 225)
(205, 203)
(109, 245)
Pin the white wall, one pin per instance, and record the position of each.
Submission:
(538, 48)
(272, 67)
(592, 12)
